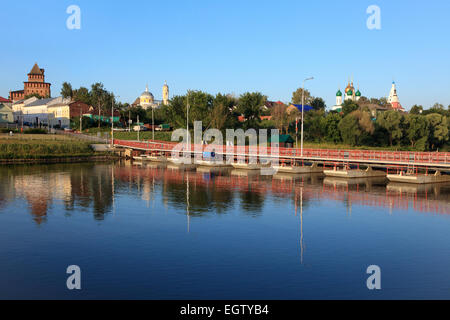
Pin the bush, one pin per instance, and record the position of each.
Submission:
(35, 131)
(6, 130)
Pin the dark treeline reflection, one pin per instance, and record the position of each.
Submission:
(94, 188)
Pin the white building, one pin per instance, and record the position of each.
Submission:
(18, 107)
(393, 98)
(36, 111)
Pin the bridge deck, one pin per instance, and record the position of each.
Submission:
(373, 157)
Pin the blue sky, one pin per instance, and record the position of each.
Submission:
(232, 47)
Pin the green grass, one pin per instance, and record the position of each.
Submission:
(30, 147)
(143, 135)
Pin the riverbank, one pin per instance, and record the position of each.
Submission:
(48, 149)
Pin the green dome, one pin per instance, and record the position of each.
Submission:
(358, 94)
(339, 94)
(349, 92)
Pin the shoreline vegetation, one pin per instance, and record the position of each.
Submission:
(43, 148)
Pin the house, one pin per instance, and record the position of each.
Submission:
(18, 107)
(6, 114)
(298, 107)
(63, 112)
(285, 141)
(374, 109)
(5, 101)
(95, 114)
(269, 105)
(35, 113)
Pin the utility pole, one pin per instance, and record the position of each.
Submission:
(187, 124)
(153, 125)
(139, 127)
(98, 106)
(303, 98)
(112, 122)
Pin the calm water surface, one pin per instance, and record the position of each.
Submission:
(149, 232)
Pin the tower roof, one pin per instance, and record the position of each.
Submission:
(339, 93)
(358, 93)
(36, 70)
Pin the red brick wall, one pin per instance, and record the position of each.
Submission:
(76, 107)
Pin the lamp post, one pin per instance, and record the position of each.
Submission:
(187, 124)
(153, 125)
(303, 98)
(112, 121)
(139, 128)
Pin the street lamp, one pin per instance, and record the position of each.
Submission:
(303, 98)
(153, 124)
(187, 124)
(112, 120)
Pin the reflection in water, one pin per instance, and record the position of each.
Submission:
(201, 193)
(217, 233)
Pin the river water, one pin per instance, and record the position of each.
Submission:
(144, 231)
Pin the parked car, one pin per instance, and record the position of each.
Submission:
(140, 128)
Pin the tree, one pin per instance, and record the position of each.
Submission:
(313, 128)
(200, 106)
(437, 108)
(355, 127)
(136, 111)
(349, 106)
(82, 94)
(417, 131)
(221, 116)
(249, 106)
(318, 104)
(297, 97)
(66, 90)
(391, 121)
(279, 116)
(416, 109)
(176, 111)
(363, 100)
(383, 101)
(438, 129)
(330, 124)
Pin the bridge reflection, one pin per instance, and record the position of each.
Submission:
(375, 192)
(94, 188)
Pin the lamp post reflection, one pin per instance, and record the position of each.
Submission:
(187, 203)
(301, 220)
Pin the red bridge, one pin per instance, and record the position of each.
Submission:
(376, 158)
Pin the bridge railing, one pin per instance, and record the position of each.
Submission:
(319, 154)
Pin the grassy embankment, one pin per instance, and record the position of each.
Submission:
(42, 146)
